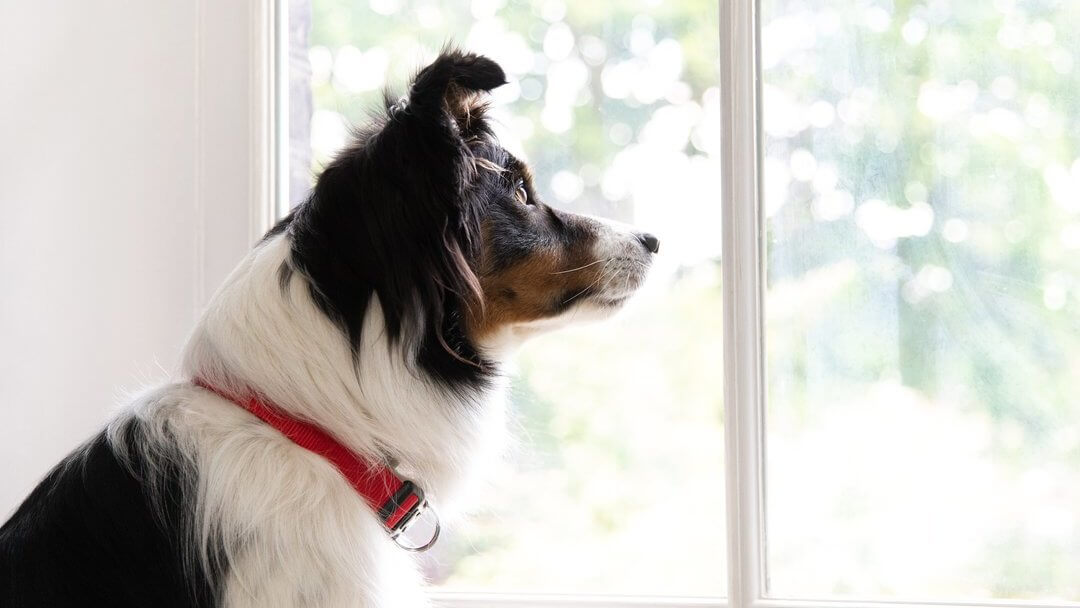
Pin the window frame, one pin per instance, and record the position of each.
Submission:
(742, 269)
(743, 262)
(236, 136)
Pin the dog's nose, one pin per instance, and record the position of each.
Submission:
(649, 241)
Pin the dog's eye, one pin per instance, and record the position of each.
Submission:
(521, 193)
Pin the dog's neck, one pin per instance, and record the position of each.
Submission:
(259, 335)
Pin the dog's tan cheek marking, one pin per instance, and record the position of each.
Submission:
(531, 289)
(513, 295)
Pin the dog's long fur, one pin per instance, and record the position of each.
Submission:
(379, 310)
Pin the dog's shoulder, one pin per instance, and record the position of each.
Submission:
(99, 530)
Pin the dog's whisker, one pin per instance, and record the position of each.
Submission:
(603, 274)
(585, 266)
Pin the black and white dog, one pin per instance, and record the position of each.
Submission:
(377, 314)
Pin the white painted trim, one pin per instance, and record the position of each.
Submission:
(279, 119)
(789, 603)
(742, 262)
(236, 105)
(505, 600)
(268, 18)
(198, 291)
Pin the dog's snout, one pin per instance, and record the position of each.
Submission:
(649, 241)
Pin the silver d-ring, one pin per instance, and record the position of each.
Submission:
(430, 542)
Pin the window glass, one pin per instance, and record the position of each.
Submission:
(921, 180)
(616, 482)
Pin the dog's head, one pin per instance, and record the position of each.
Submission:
(427, 212)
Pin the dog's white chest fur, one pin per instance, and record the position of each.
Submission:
(292, 530)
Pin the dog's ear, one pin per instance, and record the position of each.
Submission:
(452, 76)
(454, 83)
(431, 131)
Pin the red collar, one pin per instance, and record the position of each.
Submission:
(397, 502)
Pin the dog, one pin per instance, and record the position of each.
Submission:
(367, 329)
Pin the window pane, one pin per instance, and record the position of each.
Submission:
(921, 178)
(616, 484)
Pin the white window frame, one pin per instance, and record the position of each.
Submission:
(743, 260)
(742, 267)
(237, 126)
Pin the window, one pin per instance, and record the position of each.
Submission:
(616, 106)
(921, 173)
(893, 415)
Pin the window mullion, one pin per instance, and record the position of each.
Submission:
(743, 301)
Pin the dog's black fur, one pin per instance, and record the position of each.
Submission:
(89, 536)
(398, 214)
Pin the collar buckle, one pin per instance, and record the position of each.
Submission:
(406, 507)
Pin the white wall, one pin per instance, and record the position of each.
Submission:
(125, 193)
